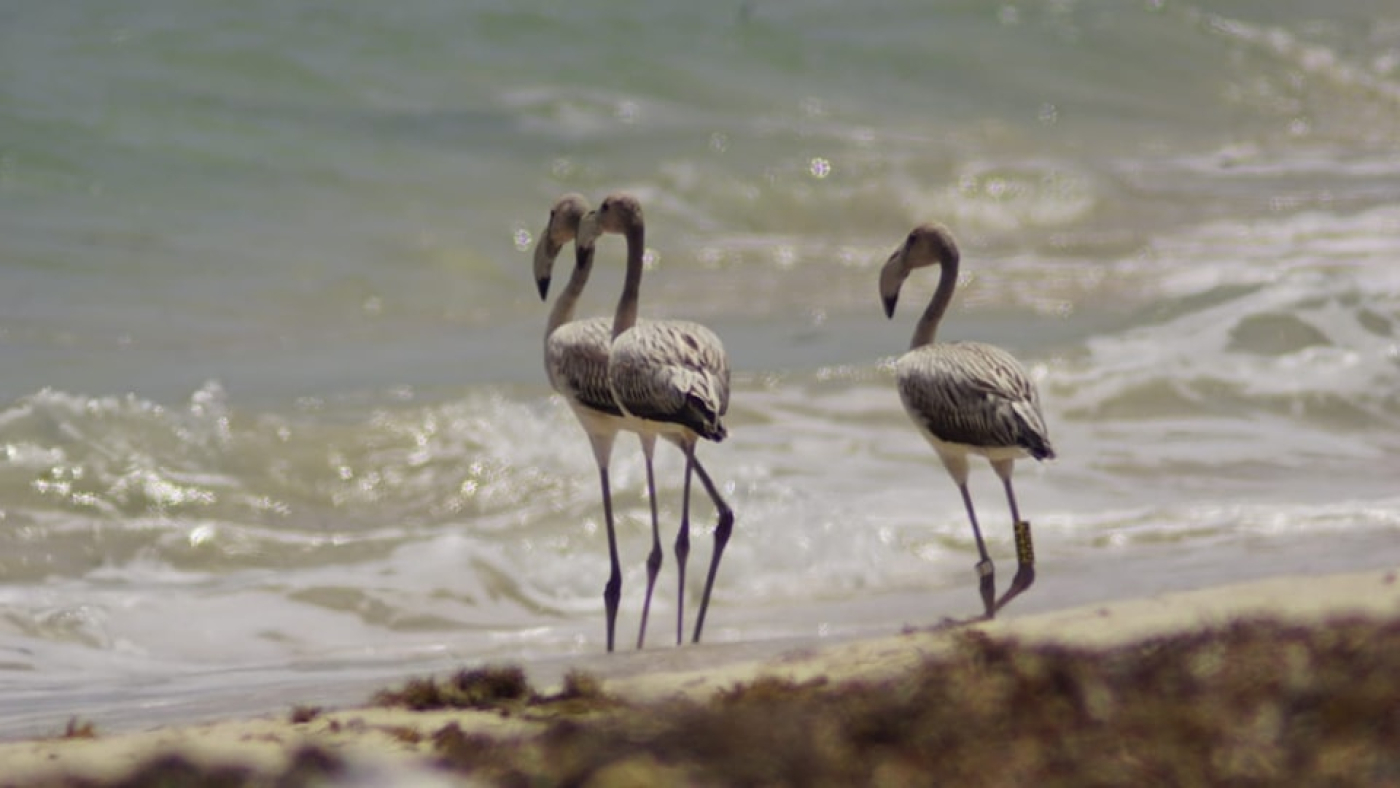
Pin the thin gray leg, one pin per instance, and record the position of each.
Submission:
(683, 542)
(722, 531)
(612, 592)
(985, 570)
(654, 558)
(1025, 549)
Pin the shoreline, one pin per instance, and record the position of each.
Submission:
(399, 741)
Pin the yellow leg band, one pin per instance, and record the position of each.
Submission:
(1025, 551)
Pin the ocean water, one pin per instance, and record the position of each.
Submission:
(273, 411)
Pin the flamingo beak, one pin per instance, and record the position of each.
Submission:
(892, 276)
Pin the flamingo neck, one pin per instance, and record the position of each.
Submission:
(563, 310)
(626, 316)
(927, 327)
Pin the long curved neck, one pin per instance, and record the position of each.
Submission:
(933, 313)
(563, 310)
(626, 316)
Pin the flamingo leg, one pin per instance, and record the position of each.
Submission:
(722, 531)
(612, 590)
(1025, 548)
(654, 558)
(987, 584)
(683, 543)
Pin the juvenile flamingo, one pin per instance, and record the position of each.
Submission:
(966, 398)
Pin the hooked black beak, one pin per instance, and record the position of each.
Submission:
(545, 252)
(889, 304)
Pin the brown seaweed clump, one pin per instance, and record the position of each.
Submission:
(309, 766)
(79, 729)
(490, 687)
(1252, 703)
(502, 688)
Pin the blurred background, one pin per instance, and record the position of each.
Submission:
(272, 399)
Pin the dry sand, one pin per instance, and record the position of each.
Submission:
(398, 746)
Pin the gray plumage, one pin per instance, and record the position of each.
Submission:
(974, 395)
(576, 359)
(966, 398)
(672, 372)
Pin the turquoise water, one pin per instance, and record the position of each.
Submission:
(273, 402)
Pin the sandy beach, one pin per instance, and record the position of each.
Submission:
(399, 738)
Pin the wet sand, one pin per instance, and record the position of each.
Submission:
(494, 724)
